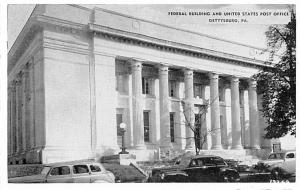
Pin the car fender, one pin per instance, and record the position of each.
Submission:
(101, 181)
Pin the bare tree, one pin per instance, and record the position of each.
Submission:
(199, 132)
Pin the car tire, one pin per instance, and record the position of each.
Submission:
(277, 174)
(230, 177)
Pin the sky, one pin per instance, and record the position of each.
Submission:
(250, 34)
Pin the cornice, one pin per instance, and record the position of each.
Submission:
(164, 45)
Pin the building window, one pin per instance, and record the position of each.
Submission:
(198, 127)
(197, 91)
(146, 126)
(172, 127)
(146, 84)
(221, 94)
(172, 88)
(119, 118)
(120, 84)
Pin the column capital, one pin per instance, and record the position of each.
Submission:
(163, 68)
(188, 72)
(136, 65)
(18, 80)
(235, 79)
(252, 83)
(213, 76)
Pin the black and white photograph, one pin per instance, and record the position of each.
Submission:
(151, 93)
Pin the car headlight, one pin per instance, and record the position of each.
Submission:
(162, 175)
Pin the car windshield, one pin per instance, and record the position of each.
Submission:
(276, 156)
(45, 170)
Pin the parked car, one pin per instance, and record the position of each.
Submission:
(282, 165)
(69, 172)
(200, 168)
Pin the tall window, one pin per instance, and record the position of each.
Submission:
(198, 126)
(197, 90)
(146, 126)
(119, 118)
(172, 88)
(120, 83)
(172, 127)
(146, 82)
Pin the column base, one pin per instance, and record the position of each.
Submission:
(140, 147)
(256, 147)
(217, 147)
(237, 147)
(189, 148)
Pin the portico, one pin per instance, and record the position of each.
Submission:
(69, 92)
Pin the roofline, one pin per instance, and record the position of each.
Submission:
(23, 28)
(172, 27)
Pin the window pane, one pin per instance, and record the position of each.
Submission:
(146, 127)
(64, 170)
(172, 130)
(172, 88)
(54, 171)
(143, 85)
(290, 155)
(79, 169)
(119, 121)
(146, 85)
(197, 90)
(95, 168)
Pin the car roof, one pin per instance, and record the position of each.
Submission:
(205, 156)
(284, 151)
(72, 163)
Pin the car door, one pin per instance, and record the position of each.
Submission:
(209, 174)
(81, 173)
(98, 174)
(289, 164)
(60, 174)
(197, 170)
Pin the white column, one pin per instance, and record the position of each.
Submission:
(215, 111)
(31, 105)
(189, 108)
(137, 109)
(223, 117)
(24, 76)
(203, 121)
(9, 126)
(26, 107)
(13, 117)
(18, 114)
(242, 103)
(164, 105)
(235, 114)
(130, 113)
(253, 114)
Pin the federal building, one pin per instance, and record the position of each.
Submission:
(75, 74)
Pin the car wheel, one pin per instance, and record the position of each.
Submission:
(277, 174)
(230, 177)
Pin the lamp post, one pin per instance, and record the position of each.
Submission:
(123, 129)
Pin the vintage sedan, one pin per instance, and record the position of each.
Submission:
(69, 172)
(281, 165)
(200, 168)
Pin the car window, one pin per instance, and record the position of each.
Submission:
(95, 168)
(45, 170)
(276, 156)
(290, 155)
(80, 169)
(194, 163)
(218, 161)
(208, 162)
(63, 170)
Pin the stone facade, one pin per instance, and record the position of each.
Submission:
(75, 73)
